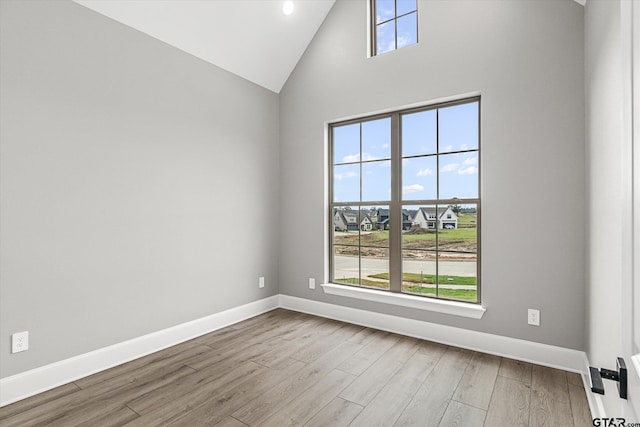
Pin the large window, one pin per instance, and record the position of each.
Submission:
(405, 201)
(394, 24)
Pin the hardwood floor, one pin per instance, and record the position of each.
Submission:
(287, 368)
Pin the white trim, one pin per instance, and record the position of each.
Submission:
(513, 348)
(581, 2)
(396, 108)
(34, 381)
(635, 361)
(44, 378)
(463, 309)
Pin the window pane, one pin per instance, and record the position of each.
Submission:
(376, 139)
(458, 230)
(422, 234)
(385, 10)
(374, 226)
(419, 178)
(375, 267)
(346, 225)
(405, 6)
(457, 276)
(346, 144)
(439, 235)
(407, 30)
(419, 133)
(376, 180)
(385, 37)
(346, 265)
(419, 272)
(459, 175)
(458, 127)
(346, 183)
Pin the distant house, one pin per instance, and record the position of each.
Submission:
(366, 224)
(428, 218)
(345, 221)
(380, 219)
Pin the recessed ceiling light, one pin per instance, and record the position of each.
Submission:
(287, 7)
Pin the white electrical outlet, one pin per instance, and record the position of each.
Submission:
(312, 283)
(533, 317)
(261, 282)
(20, 342)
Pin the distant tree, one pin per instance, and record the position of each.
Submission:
(456, 209)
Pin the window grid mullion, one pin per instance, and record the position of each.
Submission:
(395, 24)
(358, 216)
(437, 201)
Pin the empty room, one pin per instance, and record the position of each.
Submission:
(319, 213)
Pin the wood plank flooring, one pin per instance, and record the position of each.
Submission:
(285, 368)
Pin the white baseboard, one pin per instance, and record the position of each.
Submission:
(34, 381)
(528, 351)
(29, 383)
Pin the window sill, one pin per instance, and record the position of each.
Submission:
(474, 311)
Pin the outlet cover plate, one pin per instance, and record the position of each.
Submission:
(533, 317)
(20, 342)
(312, 283)
(261, 282)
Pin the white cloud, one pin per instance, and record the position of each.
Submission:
(339, 176)
(464, 146)
(351, 158)
(447, 148)
(385, 145)
(390, 46)
(470, 161)
(403, 41)
(413, 188)
(470, 170)
(425, 172)
(450, 167)
(367, 156)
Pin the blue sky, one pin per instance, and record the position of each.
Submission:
(458, 172)
(407, 28)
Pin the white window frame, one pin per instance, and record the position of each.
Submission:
(395, 296)
(373, 33)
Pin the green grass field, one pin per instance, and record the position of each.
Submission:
(463, 239)
(431, 279)
(457, 294)
(467, 220)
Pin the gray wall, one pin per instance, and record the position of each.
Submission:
(526, 59)
(139, 185)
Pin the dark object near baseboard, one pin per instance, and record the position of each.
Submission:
(620, 376)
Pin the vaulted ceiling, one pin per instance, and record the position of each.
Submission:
(251, 38)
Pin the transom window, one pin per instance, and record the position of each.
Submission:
(405, 201)
(394, 24)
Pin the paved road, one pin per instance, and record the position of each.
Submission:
(347, 266)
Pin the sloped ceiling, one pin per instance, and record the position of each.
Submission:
(251, 38)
